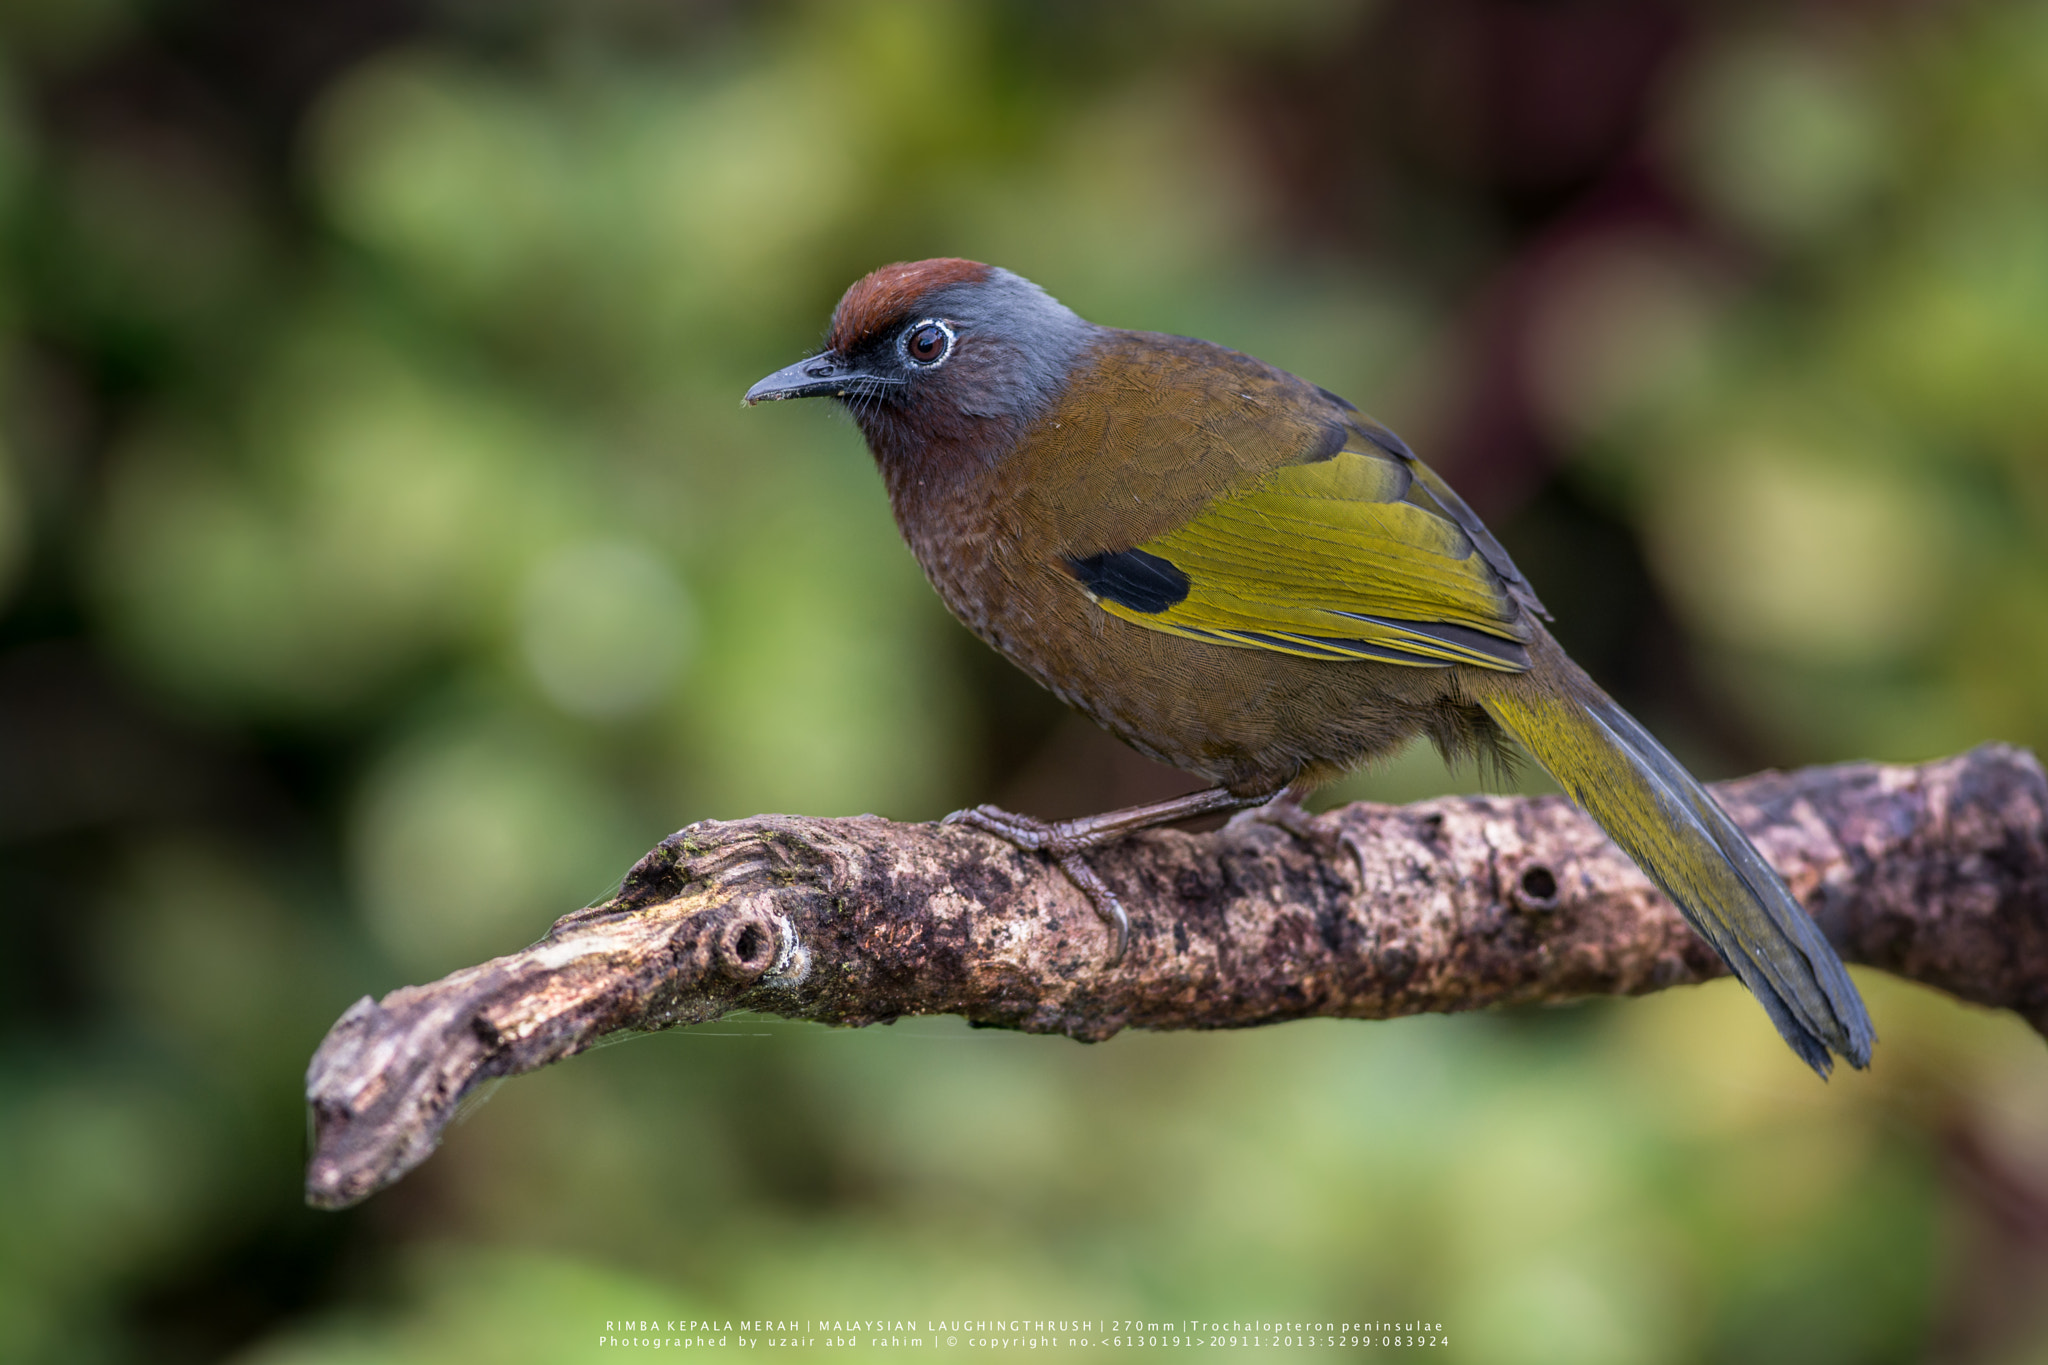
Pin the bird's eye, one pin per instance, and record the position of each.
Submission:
(928, 343)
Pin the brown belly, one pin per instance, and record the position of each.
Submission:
(1249, 719)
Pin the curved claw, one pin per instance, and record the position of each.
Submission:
(1067, 840)
(1106, 904)
(1040, 836)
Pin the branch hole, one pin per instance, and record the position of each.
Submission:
(1536, 888)
(748, 947)
(751, 947)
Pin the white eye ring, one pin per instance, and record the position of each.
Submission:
(903, 343)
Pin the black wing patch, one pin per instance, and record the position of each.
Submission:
(1131, 578)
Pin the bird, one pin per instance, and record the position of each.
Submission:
(1240, 574)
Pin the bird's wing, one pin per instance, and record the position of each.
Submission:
(1362, 555)
(1453, 506)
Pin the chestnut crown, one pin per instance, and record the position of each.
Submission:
(924, 345)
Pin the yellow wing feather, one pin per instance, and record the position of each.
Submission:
(1333, 560)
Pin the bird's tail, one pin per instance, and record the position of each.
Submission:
(1678, 834)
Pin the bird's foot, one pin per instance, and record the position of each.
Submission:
(1064, 843)
(1285, 811)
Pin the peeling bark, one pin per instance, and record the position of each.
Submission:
(1937, 873)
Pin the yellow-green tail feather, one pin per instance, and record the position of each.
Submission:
(1664, 819)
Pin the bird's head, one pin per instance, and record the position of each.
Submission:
(939, 352)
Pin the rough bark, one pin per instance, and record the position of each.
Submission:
(1936, 873)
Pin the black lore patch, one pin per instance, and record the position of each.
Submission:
(1131, 578)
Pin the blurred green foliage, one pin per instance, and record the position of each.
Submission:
(386, 561)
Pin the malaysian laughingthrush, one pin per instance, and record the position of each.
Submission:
(1239, 574)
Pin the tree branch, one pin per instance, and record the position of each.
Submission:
(1937, 873)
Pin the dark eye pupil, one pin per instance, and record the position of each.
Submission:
(927, 343)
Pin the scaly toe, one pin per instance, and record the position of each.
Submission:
(1021, 830)
(1041, 836)
(1285, 815)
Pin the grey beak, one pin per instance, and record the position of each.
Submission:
(824, 375)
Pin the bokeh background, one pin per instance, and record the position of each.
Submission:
(386, 561)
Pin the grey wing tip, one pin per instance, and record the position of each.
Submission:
(1517, 586)
(1521, 591)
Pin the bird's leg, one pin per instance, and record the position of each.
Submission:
(1066, 840)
